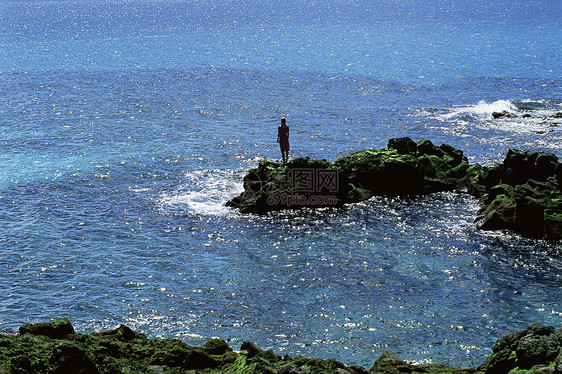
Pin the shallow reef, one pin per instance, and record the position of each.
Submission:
(54, 347)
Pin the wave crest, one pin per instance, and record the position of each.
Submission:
(483, 110)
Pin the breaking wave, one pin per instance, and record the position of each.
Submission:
(485, 111)
(203, 192)
(482, 110)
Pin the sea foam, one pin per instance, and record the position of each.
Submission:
(203, 192)
(482, 110)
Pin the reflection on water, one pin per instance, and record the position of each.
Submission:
(111, 211)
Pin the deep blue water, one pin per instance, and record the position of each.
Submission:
(125, 126)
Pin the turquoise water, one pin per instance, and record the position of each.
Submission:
(125, 126)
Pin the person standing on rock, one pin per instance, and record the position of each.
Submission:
(283, 139)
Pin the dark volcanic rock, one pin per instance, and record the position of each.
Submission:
(69, 357)
(58, 329)
(499, 211)
(299, 183)
(523, 194)
(390, 363)
(520, 166)
(251, 349)
(38, 350)
(403, 168)
(216, 347)
(537, 349)
(504, 114)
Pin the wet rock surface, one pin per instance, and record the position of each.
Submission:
(537, 349)
(403, 168)
(523, 194)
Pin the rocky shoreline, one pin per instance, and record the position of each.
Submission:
(523, 194)
(54, 347)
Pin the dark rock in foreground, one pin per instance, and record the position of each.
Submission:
(504, 114)
(537, 349)
(523, 194)
(389, 362)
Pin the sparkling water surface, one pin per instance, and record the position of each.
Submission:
(123, 136)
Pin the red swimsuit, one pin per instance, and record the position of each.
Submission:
(283, 133)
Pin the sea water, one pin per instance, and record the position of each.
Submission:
(126, 125)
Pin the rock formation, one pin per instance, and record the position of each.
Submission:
(523, 194)
(403, 168)
(54, 347)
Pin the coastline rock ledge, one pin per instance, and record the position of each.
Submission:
(403, 168)
(523, 194)
(54, 347)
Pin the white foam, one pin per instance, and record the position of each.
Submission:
(204, 192)
(482, 110)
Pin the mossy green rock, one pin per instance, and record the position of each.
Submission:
(523, 194)
(552, 221)
(58, 329)
(537, 349)
(403, 168)
(499, 210)
(125, 350)
(390, 363)
(526, 351)
(301, 182)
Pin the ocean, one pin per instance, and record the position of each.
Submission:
(126, 125)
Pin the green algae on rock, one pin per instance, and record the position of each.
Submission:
(390, 363)
(37, 350)
(524, 194)
(299, 183)
(58, 329)
(403, 168)
(537, 349)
